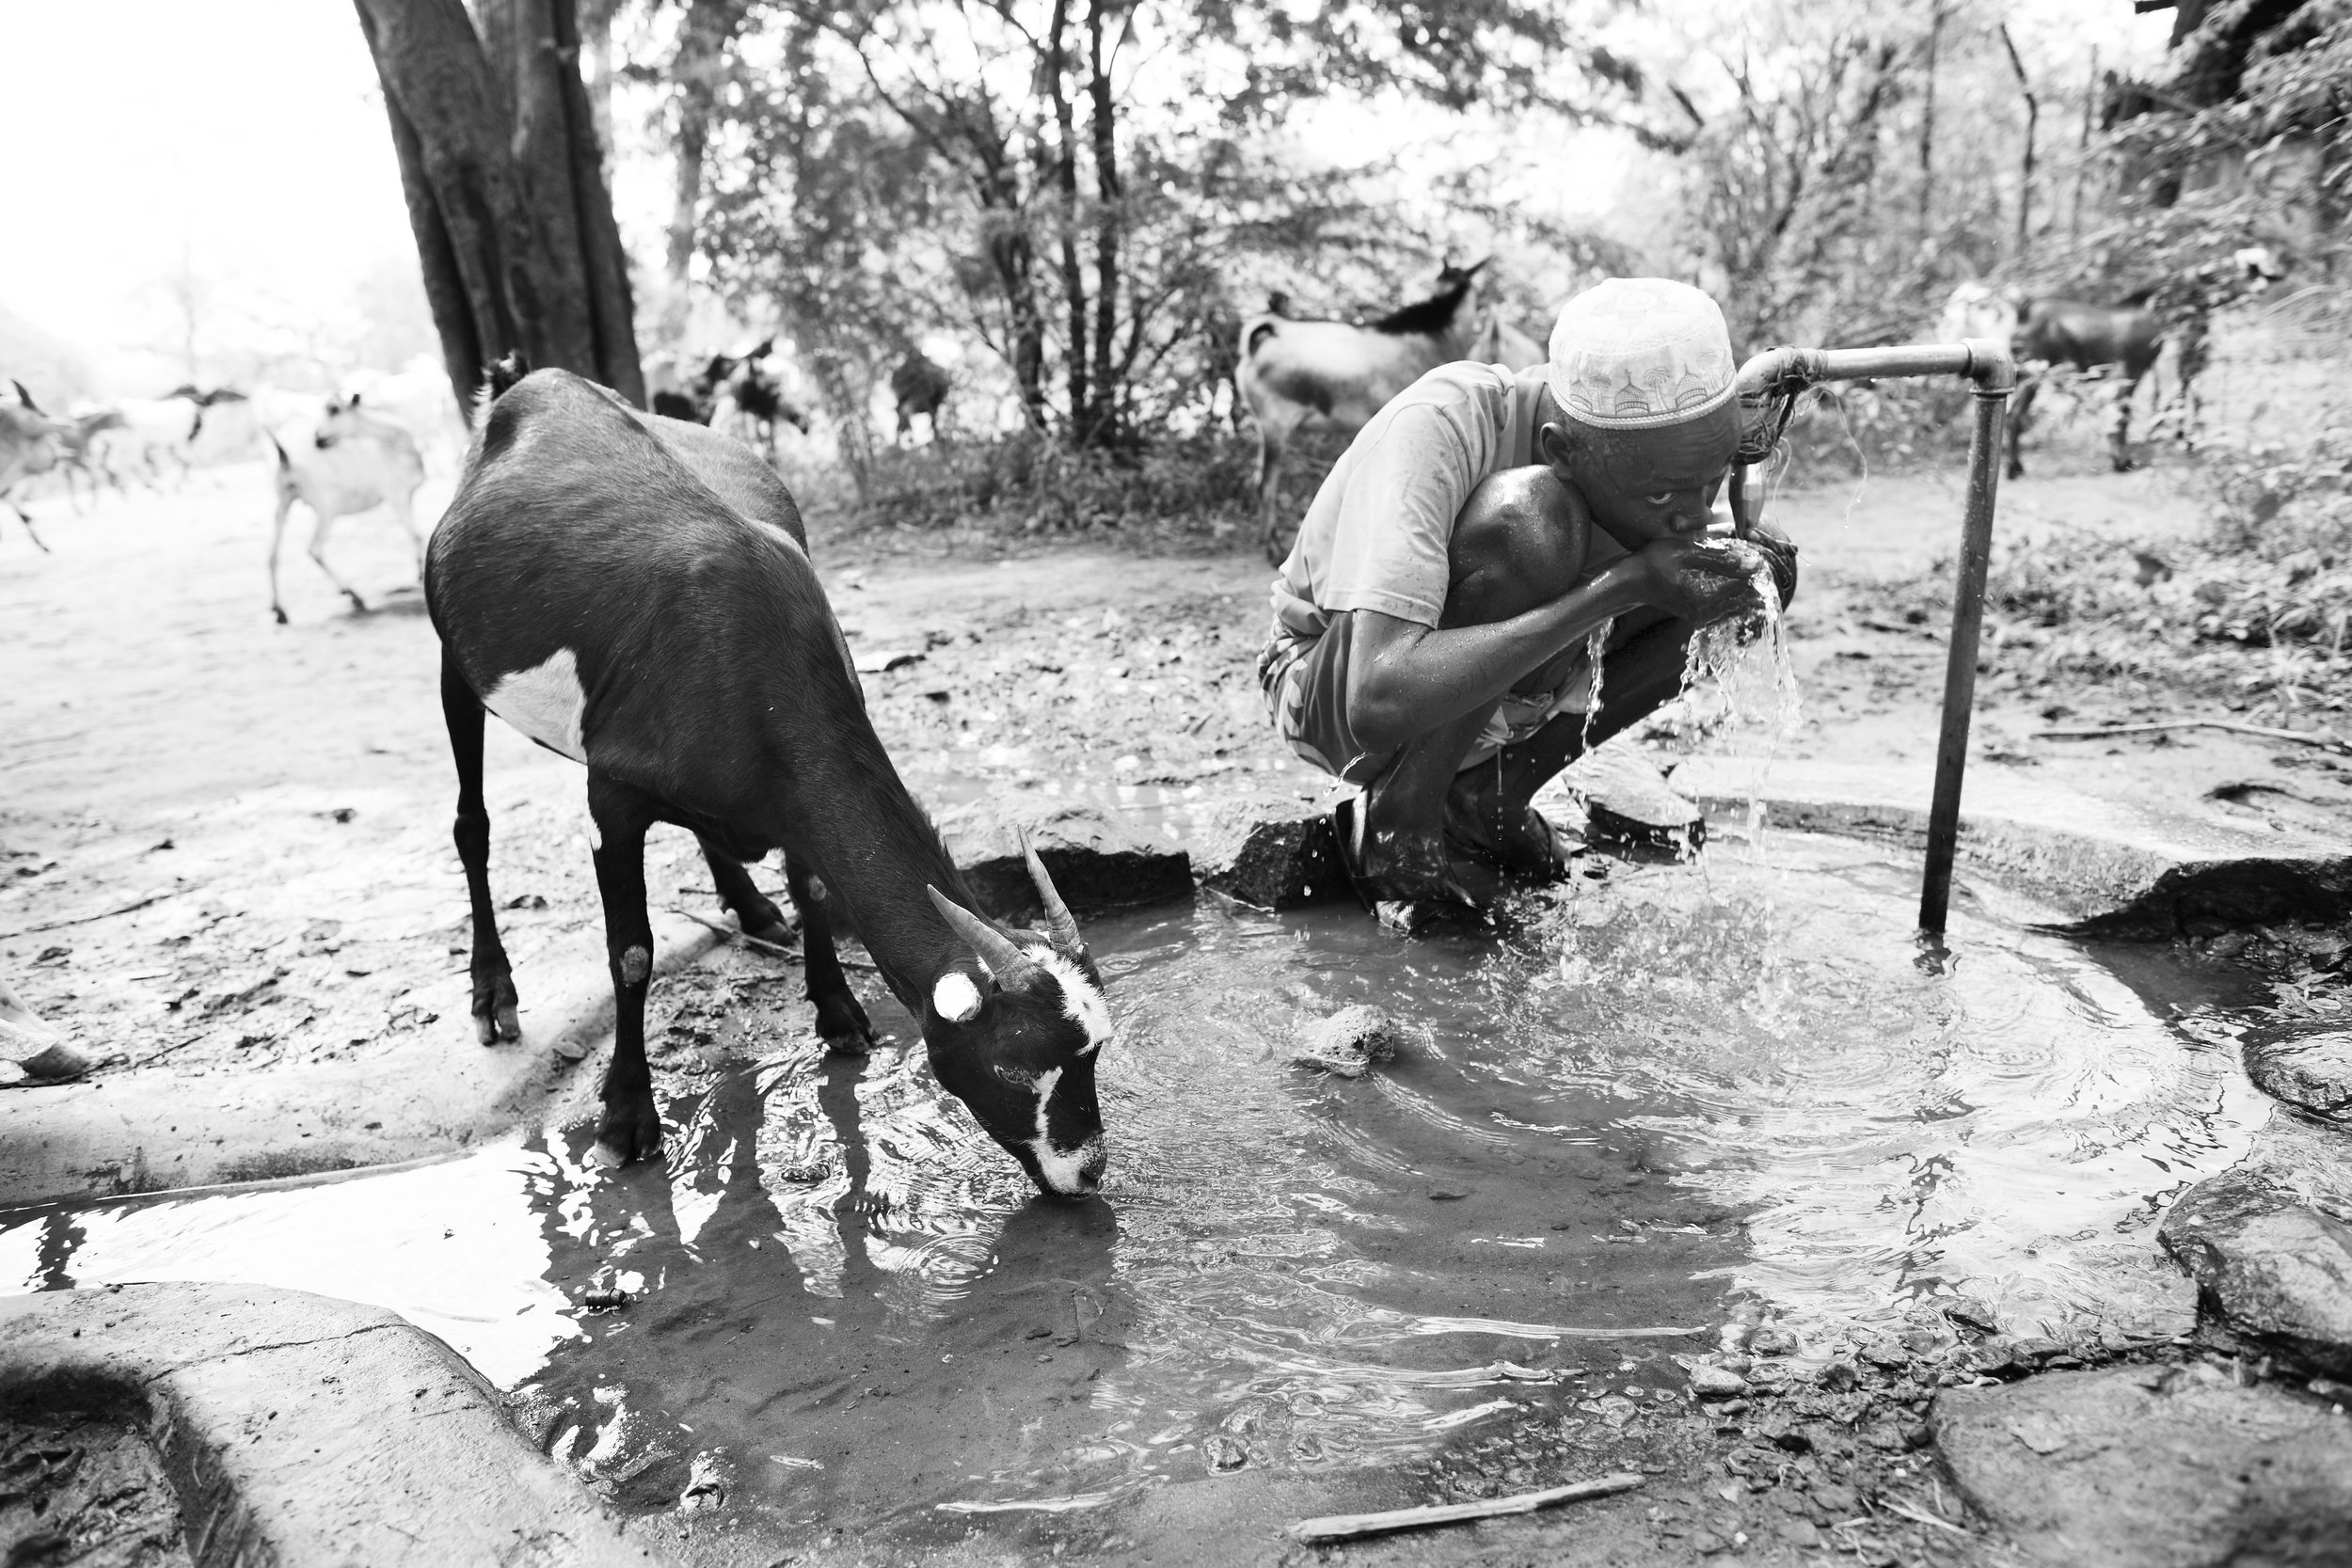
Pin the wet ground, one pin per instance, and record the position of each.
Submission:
(1666, 1097)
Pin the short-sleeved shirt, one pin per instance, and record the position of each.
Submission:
(1377, 535)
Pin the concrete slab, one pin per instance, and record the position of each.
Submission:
(307, 1432)
(2113, 868)
(435, 1092)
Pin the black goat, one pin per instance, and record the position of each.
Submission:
(634, 593)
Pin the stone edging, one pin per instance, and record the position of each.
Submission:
(2112, 870)
(297, 1430)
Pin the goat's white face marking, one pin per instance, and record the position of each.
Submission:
(545, 703)
(956, 997)
(1081, 1000)
(1064, 1169)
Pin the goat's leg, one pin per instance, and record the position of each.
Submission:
(2020, 416)
(753, 910)
(841, 1021)
(630, 1128)
(494, 1000)
(27, 518)
(2119, 440)
(277, 542)
(318, 555)
(1270, 445)
(404, 512)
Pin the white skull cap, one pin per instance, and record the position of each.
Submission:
(1637, 352)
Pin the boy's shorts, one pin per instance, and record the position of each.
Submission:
(1305, 683)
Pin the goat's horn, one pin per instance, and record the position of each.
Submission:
(22, 396)
(1060, 925)
(1004, 960)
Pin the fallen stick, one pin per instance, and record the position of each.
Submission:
(761, 943)
(1918, 1516)
(1348, 1526)
(2301, 737)
(86, 919)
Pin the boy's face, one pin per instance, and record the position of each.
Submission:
(1644, 485)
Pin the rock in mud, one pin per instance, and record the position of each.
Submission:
(2304, 1066)
(1272, 854)
(2143, 1466)
(2269, 1266)
(1629, 804)
(1347, 1042)
(1098, 863)
(1717, 1382)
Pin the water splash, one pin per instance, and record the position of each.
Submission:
(1596, 651)
(1741, 686)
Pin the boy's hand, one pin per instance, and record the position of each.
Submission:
(1698, 580)
(1781, 551)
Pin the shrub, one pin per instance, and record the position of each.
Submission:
(1187, 492)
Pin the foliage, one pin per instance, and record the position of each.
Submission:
(1077, 183)
(2257, 610)
(1183, 493)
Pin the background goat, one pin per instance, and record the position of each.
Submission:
(28, 446)
(1293, 372)
(634, 593)
(918, 387)
(353, 461)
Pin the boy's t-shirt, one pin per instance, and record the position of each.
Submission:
(1378, 534)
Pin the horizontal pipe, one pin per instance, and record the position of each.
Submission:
(1982, 360)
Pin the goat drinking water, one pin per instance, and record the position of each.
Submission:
(635, 592)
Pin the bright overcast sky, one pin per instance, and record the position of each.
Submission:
(245, 136)
(242, 143)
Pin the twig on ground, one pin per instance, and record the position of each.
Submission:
(761, 943)
(1918, 1516)
(86, 919)
(1347, 1527)
(2300, 738)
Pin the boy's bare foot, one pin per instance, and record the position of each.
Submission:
(1514, 837)
(1387, 867)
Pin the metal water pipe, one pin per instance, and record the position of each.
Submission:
(1774, 379)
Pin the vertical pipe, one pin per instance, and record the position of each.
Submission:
(1959, 670)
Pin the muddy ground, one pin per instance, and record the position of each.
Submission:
(224, 844)
(223, 854)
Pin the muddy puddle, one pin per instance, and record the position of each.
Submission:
(1663, 1092)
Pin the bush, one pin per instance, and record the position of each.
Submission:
(1188, 492)
(2272, 572)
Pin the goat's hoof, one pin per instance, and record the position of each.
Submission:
(494, 1010)
(846, 1030)
(280, 614)
(776, 931)
(359, 605)
(628, 1133)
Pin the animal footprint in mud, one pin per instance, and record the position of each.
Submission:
(1347, 1042)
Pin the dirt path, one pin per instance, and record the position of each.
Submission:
(224, 844)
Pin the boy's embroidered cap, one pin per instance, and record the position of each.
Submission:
(1636, 353)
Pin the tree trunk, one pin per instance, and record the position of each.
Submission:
(703, 38)
(1101, 421)
(506, 188)
(1064, 164)
(2033, 119)
(1926, 127)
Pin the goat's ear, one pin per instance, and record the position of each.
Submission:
(957, 997)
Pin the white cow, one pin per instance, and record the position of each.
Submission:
(350, 461)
